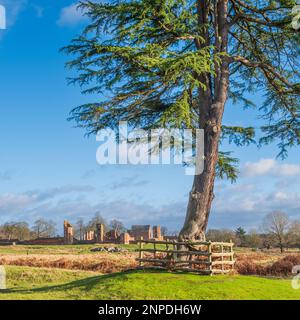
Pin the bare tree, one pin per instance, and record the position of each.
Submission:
(80, 228)
(8, 230)
(97, 219)
(164, 231)
(16, 230)
(22, 230)
(253, 239)
(117, 225)
(44, 228)
(276, 223)
(294, 234)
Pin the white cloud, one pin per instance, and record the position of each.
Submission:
(242, 204)
(237, 205)
(13, 203)
(71, 16)
(30, 205)
(270, 167)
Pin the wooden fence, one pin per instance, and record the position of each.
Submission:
(202, 257)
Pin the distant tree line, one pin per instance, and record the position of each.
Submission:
(20, 230)
(43, 228)
(276, 230)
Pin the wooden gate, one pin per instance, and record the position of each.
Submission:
(202, 257)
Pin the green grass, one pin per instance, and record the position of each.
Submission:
(40, 283)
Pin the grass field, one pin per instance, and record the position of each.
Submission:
(43, 283)
(74, 272)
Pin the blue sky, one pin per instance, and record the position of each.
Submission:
(48, 168)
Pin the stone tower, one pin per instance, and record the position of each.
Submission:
(100, 232)
(68, 233)
(157, 232)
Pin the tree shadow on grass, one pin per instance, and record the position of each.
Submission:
(85, 284)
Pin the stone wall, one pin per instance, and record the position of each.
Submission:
(89, 235)
(157, 233)
(44, 241)
(126, 238)
(141, 232)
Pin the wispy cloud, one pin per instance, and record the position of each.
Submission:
(270, 167)
(89, 174)
(127, 182)
(71, 16)
(234, 205)
(15, 203)
(41, 195)
(29, 205)
(246, 204)
(39, 10)
(5, 176)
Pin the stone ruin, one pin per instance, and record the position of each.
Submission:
(99, 232)
(89, 235)
(68, 233)
(137, 232)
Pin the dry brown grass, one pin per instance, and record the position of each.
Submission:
(103, 263)
(267, 263)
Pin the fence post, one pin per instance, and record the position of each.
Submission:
(222, 258)
(175, 253)
(210, 257)
(231, 256)
(141, 253)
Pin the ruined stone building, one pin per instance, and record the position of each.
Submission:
(157, 233)
(99, 232)
(141, 232)
(137, 232)
(68, 233)
(89, 235)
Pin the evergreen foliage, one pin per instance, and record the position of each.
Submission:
(152, 61)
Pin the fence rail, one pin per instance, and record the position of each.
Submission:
(202, 257)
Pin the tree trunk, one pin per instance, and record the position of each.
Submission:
(202, 193)
(211, 109)
(281, 246)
